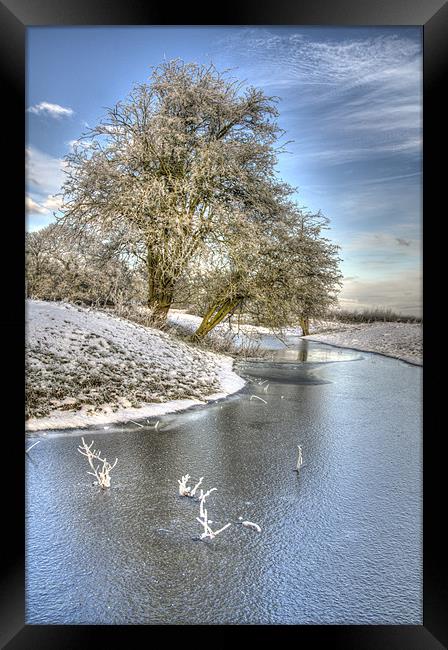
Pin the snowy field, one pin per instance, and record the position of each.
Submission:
(400, 340)
(85, 368)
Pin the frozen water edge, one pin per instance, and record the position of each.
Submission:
(57, 336)
(61, 421)
(402, 341)
(230, 382)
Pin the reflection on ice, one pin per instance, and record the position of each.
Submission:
(306, 354)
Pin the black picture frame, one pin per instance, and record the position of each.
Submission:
(15, 17)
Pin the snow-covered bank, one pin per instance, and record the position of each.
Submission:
(399, 340)
(87, 368)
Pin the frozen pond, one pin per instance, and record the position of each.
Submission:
(340, 541)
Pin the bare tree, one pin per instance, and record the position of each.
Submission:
(165, 167)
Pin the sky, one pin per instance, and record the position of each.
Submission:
(350, 102)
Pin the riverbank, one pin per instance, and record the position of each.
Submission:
(399, 340)
(88, 368)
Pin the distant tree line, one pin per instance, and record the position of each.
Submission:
(174, 198)
(373, 315)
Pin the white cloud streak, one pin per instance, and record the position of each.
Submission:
(51, 110)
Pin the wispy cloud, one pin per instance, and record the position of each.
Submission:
(352, 98)
(384, 243)
(44, 175)
(46, 206)
(33, 207)
(340, 155)
(43, 171)
(370, 205)
(336, 65)
(373, 256)
(51, 110)
(83, 143)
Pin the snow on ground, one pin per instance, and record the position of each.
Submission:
(400, 340)
(86, 367)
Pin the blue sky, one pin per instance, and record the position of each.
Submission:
(350, 101)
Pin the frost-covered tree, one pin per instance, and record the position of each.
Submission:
(62, 266)
(281, 271)
(168, 165)
(319, 280)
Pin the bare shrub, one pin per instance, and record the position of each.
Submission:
(184, 489)
(136, 313)
(101, 471)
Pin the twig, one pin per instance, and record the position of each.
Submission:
(256, 397)
(184, 490)
(299, 458)
(202, 498)
(29, 448)
(221, 529)
(205, 521)
(250, 524)
(193, 491)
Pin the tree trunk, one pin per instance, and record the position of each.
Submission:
(304, 322)
(216, 315)
(160, 302)
(160, 290)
